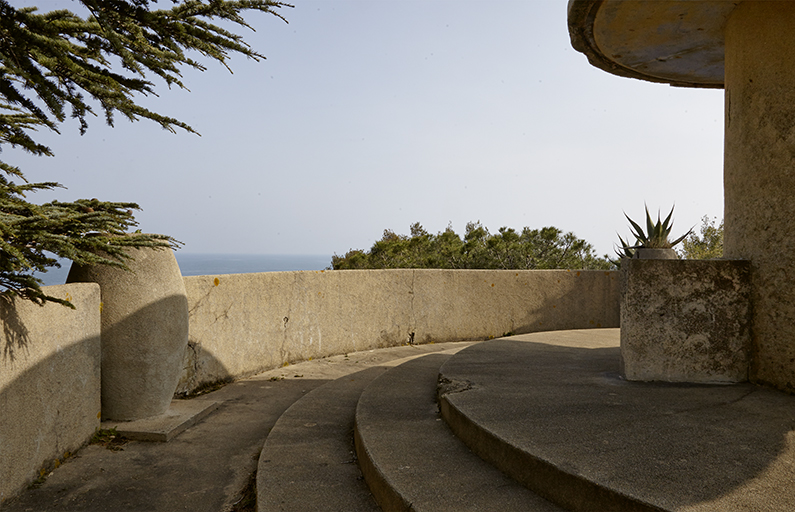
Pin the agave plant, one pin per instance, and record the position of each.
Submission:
(655, 236)
(623, 251)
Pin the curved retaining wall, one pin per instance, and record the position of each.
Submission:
(243, 324)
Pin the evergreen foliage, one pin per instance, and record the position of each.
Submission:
(530, 249)
(707, 245)
(57, 65)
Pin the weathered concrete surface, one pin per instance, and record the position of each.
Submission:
(649, 253)
(181, 414)
(308, 457)
(753, 44)
(759, 176)
(679, 42)
(204, 468)
(308, 461)
(551, 410)
(49, 382)
(452, 305)
(413, 462)
(685, 320)
(246, 323)
(144, 332)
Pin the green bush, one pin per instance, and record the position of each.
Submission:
(508, 249)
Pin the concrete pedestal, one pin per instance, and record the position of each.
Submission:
(759, 176)
(685, 320)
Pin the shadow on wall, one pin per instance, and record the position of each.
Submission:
(51, 383)
(142, 354)
(200, 370)
(49, 388)
(575, 300)
(16, 335)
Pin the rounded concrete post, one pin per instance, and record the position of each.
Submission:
(759, 176)
(144, 332)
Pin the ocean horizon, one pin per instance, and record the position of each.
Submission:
(196, 264)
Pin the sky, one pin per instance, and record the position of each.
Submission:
(373, 115)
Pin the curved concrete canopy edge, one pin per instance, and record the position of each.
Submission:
(678, 42)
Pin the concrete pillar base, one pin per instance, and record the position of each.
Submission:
(685, 320)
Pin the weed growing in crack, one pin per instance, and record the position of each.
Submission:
(110, 439)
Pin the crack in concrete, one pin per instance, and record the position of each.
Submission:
(200, 302)
(722, 404)
(412, 318)
(446, 386)
(224, 315)
(284, 353)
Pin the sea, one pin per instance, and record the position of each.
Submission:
(210, 264)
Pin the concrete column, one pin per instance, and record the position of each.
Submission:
(759, 176)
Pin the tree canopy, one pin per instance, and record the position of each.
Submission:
(708, 244)
(530, 249)
(58, 65)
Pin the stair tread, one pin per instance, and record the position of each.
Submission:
(411, 459)
(308, 460)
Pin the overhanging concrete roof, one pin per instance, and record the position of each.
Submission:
(679, 42)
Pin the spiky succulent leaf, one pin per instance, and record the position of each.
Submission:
(656, 233)
(689, 231)
(650, 228)
(666, 226)
(637, 231)
(625, 250)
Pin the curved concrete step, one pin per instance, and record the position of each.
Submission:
(550, 410)
(308, 460)
(412, 461)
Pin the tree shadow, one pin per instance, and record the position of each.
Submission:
(16, 335)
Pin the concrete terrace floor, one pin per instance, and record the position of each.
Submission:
(205, 468)
(553, 402)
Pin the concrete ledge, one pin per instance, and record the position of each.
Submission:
(181, 415)
(307, 462)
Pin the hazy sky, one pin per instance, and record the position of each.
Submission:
(369, 115)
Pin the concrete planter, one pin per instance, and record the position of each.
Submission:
(685, 320)
(645, 253)
(144, 332)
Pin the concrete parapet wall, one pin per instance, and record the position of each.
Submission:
(246, 323)
(49, 382)
(243, 324)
